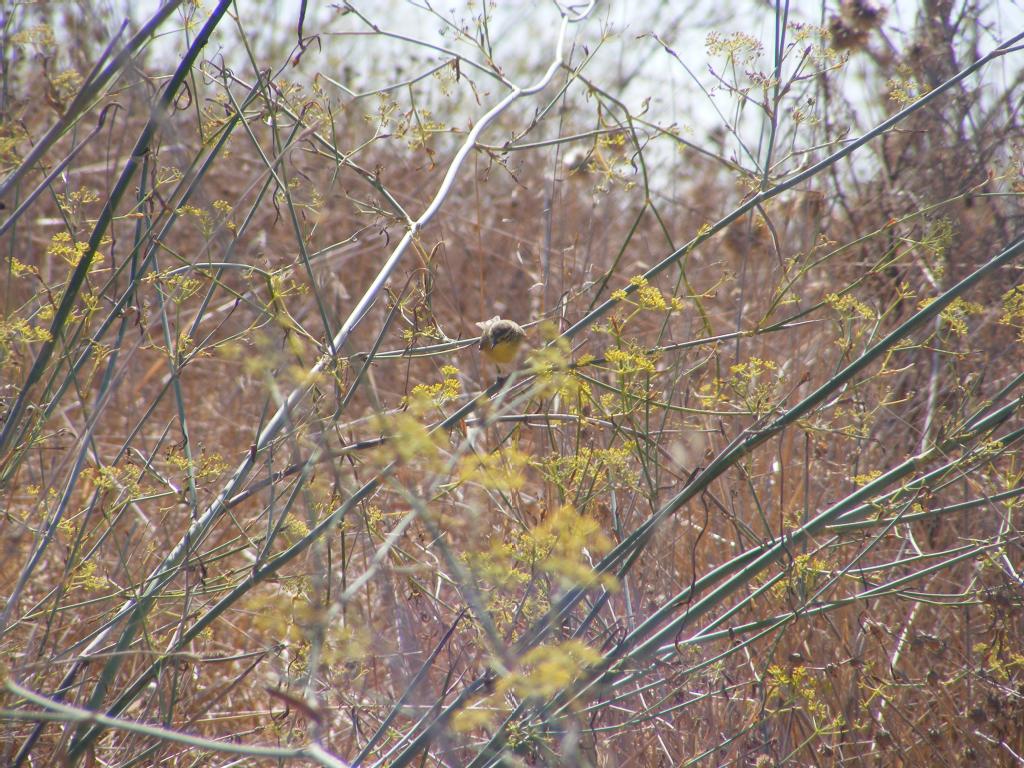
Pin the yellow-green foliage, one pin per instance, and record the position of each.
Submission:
(801, 690)
(751, 387)
(803, 577)
(550, 364)
(545, 670)
(849, 306)
(562, 544)
(503, 470)
(541, 672)
(592, 470)
(408, 438)
(288, 616)
(1013, 310)
(260, 214)
(956, 313)
(647, 297)
(440, 392)
(905, 88)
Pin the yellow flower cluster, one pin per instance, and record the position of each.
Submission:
(440, 392)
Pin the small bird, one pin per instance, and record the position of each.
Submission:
(501, 339)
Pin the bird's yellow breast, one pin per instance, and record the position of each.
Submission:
(503, 351)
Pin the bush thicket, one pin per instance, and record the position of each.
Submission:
(749, 497)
